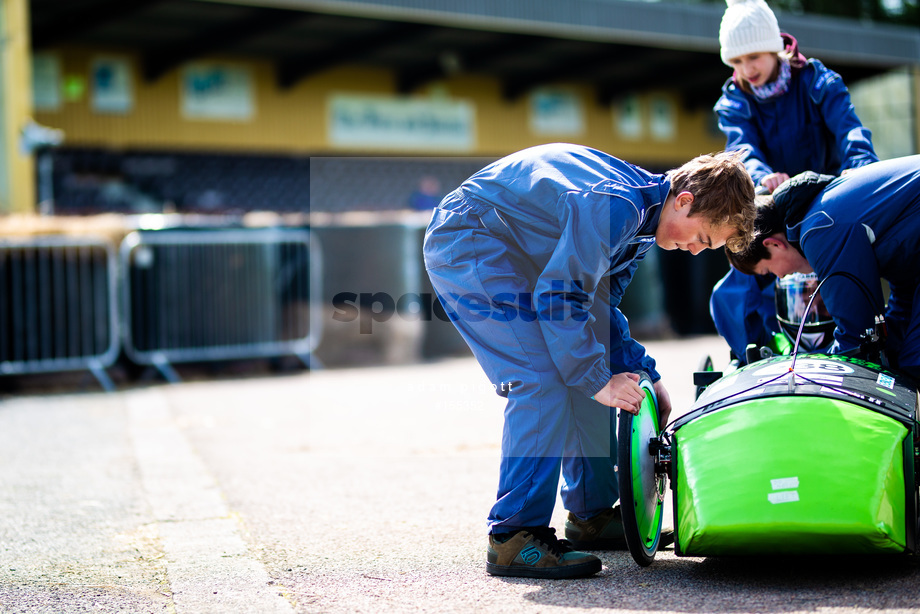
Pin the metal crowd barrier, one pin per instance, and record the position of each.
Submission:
(57, 306)
(206, 295)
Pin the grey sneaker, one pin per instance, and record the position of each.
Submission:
(536, 552)
(603, 531)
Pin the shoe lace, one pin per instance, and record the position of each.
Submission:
(547, 537)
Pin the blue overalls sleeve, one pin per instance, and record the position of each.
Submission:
(626, 354)
(852, 140)
(737, 122)
(831, 247)
(569, 284)
(743, 310)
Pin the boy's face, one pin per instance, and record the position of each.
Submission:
(784, 259)
(677, 230)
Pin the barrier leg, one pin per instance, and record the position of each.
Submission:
(310, 361)
(101, 376)
(166, 370)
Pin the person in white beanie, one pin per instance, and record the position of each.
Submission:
(749, 26)
(789, 115)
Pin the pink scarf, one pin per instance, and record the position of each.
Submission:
(775, 88)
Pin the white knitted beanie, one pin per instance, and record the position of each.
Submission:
(748, 26)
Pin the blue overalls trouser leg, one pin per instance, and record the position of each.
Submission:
(548, 426)
(903, 317)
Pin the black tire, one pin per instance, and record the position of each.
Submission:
(637, 480)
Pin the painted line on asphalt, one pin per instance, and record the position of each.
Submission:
(209, 565)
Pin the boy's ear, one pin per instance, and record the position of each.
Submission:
(683, 199)
(774, 242)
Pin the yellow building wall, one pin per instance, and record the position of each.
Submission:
(17, 168)
(295, 120)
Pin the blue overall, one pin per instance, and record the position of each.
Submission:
(812, 127)
(867, 224)
(530, 258)
(743, 308)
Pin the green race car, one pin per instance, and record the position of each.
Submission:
(791, 454)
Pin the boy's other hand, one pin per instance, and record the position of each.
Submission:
(664, 403)
(622, 391)
(773, 180)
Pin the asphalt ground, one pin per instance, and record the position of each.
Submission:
(340, 490)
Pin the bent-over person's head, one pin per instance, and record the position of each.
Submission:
(768, 224)
(723, 194)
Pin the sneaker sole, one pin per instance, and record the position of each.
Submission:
(563, 572)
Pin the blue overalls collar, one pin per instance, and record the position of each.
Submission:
(654, 197)
(653, 194)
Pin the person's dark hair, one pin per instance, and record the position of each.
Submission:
(768, 222)
(723, 193)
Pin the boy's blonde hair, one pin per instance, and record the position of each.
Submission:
(723, 193)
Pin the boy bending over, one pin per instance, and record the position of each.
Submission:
(530, 258)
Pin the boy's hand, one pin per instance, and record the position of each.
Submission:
(664, 403)
(772, 181)
(622, 391)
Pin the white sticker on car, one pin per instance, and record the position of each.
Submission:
(886, 380)
(784, 483)
(784, 490)
(784, 496)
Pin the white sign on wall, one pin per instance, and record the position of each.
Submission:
(216, 91)
(556, 111)
(627, 117)
(112, 86)
(46, 82)
(662, 118)
(401, 123)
